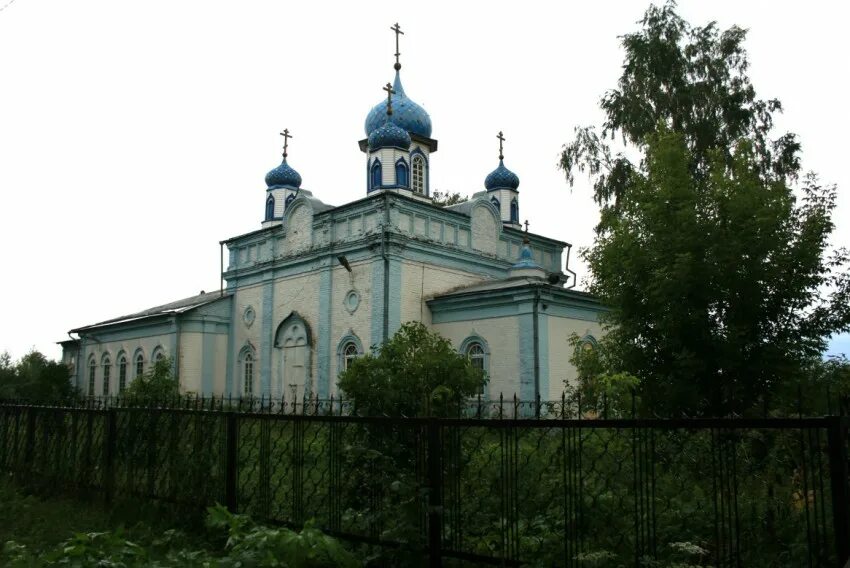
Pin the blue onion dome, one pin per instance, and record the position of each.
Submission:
(406, 114)
(389, 136)
(283, 176)
(501, 178)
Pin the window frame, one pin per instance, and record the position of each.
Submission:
(122, 373)
(417, 174)
(106, 364)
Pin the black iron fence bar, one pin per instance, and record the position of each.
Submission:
(837, 440)
(600, 423)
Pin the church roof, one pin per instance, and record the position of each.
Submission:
(176, 307)
(491, 288)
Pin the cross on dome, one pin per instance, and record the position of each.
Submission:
(286, 136)
(397, 29)
(390, 92)
(501, 138)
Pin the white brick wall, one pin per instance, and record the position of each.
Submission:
(485, 230)
(560, 368)
(502, 337)
(421, 282)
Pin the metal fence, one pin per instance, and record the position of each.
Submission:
(569, 405)
(465, 491)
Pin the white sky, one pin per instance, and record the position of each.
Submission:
(136, 136)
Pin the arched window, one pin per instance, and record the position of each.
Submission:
(122, 373)
(289, 199)
(418, 174)
(475, 353)
(349, 354)
(496, 203)
(476, 350)
(514, 211)
(140, 365)
(248, 375)
(107, 371)
(270, 207)
(401, 173)
(92, 373)
(348, 349)
(377, 180)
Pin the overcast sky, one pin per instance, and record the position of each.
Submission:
(134, 136)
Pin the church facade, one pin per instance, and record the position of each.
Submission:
(319, 285)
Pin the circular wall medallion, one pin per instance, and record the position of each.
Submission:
(352, 301)
(249, 316)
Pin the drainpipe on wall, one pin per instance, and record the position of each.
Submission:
(386, 258)
(567, 268)
(79, 356)
(536, 332)
(221, 272)
(177, 349)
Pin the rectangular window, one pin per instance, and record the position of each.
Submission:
(106, 373)
(122, 375)
(92, 370)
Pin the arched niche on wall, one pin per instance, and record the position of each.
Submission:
(294, 343)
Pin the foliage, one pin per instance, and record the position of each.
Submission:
(600, 392)
(158, 383)
(255, 545)
(718, 276)
(246, 545)
(691, 80)
(35, 378)
(446, 198)
(416, 372)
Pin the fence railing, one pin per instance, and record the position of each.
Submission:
(568, 406)
(556, 492)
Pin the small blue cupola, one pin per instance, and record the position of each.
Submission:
(501, 178)
(525, 266)
(282, 184)
(283, 176)
(389, 136)
(502, 186)
(407, 115)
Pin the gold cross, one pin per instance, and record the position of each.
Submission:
(501, 138)
(286, 136)
(390, 93)
(398, 32)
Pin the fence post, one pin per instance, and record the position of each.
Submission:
(109, 455)
(838, 474)
(435, 495)
(230, 457)
(29, 449)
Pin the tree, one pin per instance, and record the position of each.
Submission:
(35, 378)
(416, 372)
(446, 198)
(717, 273)
(157, 384)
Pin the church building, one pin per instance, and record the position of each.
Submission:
(318, 285)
